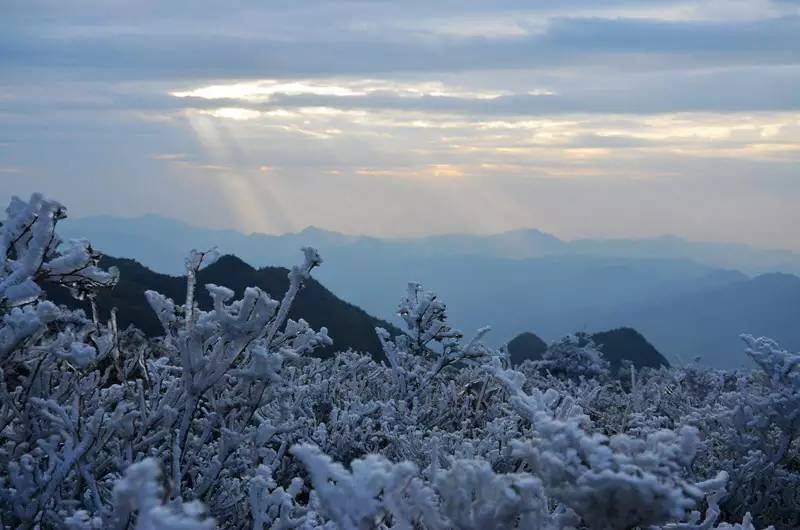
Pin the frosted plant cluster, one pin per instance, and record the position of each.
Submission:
(228, 420)
(574, 356)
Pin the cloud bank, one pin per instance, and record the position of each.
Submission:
(613, 118)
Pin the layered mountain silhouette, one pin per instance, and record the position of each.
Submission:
(700, 325)
(349, 326)
(161, 243)
(689, 299)
(618, 345)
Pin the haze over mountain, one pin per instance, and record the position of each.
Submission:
(689, 299)
(161, 243)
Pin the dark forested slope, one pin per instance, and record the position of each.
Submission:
(348, 325)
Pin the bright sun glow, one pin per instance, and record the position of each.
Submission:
(265, 90)
(234, 113)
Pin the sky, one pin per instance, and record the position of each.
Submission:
(583, 118)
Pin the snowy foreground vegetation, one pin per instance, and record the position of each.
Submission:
(228, 420)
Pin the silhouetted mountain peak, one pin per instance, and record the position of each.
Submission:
(348, 325)
(623, 344)
(312, 230)
(617, 345)
(669, 238)
(110, 261)
(777, 278)
(532, 233)
(230, 264)
(525, 346)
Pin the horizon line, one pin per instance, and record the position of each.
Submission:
(400, 238)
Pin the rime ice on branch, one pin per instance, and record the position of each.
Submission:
(229, 420)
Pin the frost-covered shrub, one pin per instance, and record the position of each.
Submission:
(229, 420)
(467, 495)
(429, 336)
(137, 496)
(753, 432)
(616, 482)
(574, 356)
(82, 403)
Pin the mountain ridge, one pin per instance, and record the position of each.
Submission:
(553, 293)
(348, 325)
(510, 243)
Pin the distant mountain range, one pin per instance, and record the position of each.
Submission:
(689, 299)
(162, 243)
(348, 326)
(767, 305)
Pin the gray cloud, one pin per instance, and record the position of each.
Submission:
(655, 108)
(136, 53)
(726, 90)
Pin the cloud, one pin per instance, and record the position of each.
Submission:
(740, 89)
(169, 156)
(770, 37)
(138, 52)
(407, 117)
